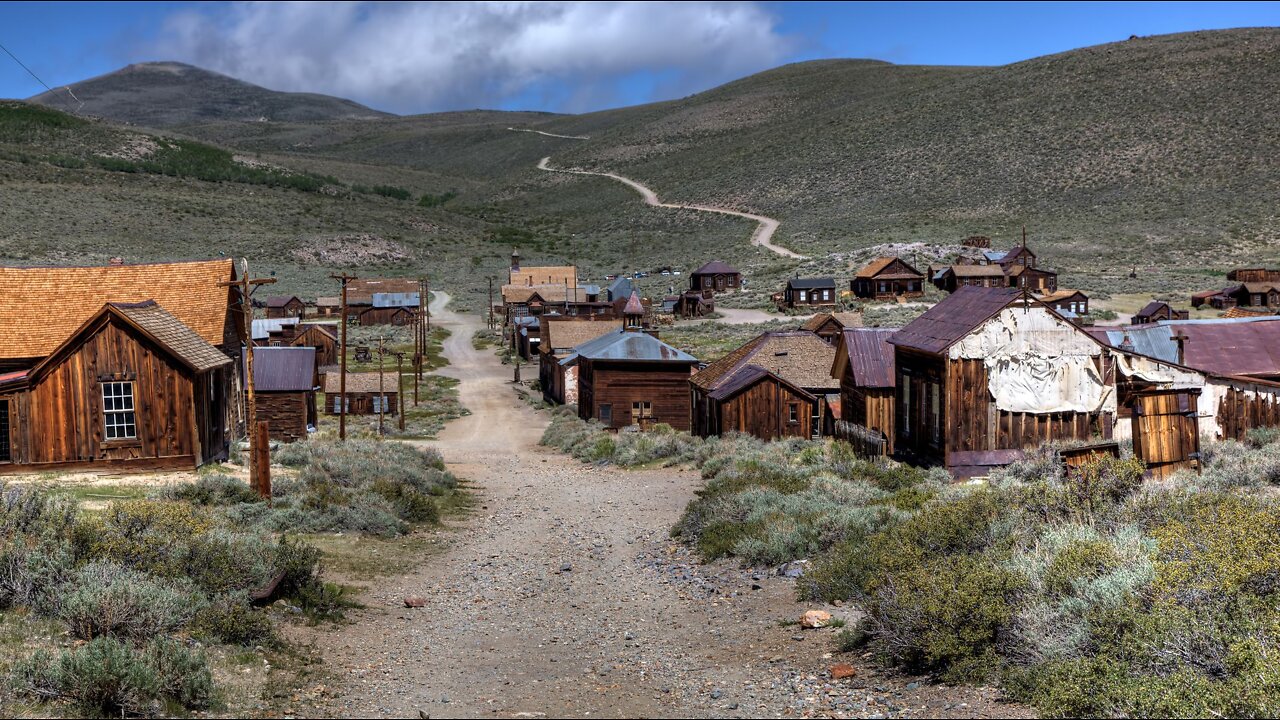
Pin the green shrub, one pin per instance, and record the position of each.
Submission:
(182, 674)
(428, 200)
(231, 619)
(107, 599)
(391, 191)
(212, 490)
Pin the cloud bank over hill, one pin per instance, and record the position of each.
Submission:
(420, 57)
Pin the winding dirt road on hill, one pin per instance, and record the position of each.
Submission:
(765, 228)
(564, 596)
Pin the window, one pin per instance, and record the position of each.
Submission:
(793, 413)
(119, 419)
(884, 287)
(804, 296)
(904, 408)
(641, 412)
(605, 414)
(935, 410)
(337, 404)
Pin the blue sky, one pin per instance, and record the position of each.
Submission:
(556, 56)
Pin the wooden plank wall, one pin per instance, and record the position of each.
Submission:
(1166, 431)
(1238, 413)
(62, 414)
(285, 413)
(763, 410)
(620, 384)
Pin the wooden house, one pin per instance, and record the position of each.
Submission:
(887, 278)
(1036, 280)
(1220, 299)
(828, 326)
(809, 294)
(328, 306)
(272, 332)
(716, 276)
(382, 301)
(285, 306)
(368, 393)
(285, 381)
(131, 389)
(1158, 310)
(1020, 256)
(630, 378)
(323, 337)
(774, 386)
(557, 364)
(1257, 294)
(954, 277)
(1260, 275)
(864, 367)
(1066, 301)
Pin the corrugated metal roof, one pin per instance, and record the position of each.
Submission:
(1229, 346)
(632, 347)
(396, 300)
(953, 318)
(590, 289)
(263, 327)
(283, 369)
(995, 255)
(871, 356)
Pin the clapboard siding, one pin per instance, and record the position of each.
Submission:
(619, 384)
(762, 410)
(286, 413)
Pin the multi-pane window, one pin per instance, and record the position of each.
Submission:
(641, 412)
(793, 413)
(380, 404)
(119, 418)
(337, 404)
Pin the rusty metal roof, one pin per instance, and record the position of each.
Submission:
(283, 369)
(870, 356)
(395, 299)
(1236, 346)
(749, 376)
(715, 267)
(953, 318)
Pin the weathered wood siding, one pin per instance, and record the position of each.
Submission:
(361, 403)
(326, 346)
(762, 410)
(1166, 431)
(619, 384)
(872, 408)
(287, 414)
(59, 420)
(1240, 411)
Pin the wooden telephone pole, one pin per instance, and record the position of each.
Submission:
(400, 387)
(382, 398)
(490, 302)
(344, 278)
(257, 473)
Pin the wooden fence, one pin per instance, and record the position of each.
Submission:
(866, 442)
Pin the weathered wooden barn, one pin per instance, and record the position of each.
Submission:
(1157, 310)
(828, 326)
(285, 381)
(808, 294)
(131, 389)
(382, 301)
(774, 386)
(1220, 299)
(716, 276)
(285, 306)
(323, 337)
(864, 367)
(887, 278)
(368, 393)
(557, 364)
(631, 378)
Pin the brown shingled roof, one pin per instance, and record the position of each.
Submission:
(360, 383)
(977, 270)
(565, 334)
(169, 331)
(843, 319)
(875, 267)
(72, 295)
(797, 356)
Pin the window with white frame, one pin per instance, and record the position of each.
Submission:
(119, 418)
(337, 404)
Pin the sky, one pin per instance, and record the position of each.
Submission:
(555, 56)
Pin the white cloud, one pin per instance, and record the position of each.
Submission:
(418, 57)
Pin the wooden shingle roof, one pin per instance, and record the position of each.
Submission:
(566, 334)
(41, 307)
(169, 331)
(797, 356)
(716, 267)
(360, 383)
(841, 319)
(877, 266)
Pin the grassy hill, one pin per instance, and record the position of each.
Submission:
(161, 94)
(1158, 153)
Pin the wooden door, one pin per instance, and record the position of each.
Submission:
(1166, 432)
(6, 453)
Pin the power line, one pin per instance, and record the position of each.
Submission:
(32, 72)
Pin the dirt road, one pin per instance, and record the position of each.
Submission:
(765, 226)
(564, 596)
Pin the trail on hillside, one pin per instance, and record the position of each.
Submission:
(564, 596)
(554, 135)
(765, 228)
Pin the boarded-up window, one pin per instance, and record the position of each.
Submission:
(641, 412)
(118, 418)
(605, 414)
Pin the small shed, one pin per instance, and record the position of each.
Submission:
(285, 381)
(717, 276)
(809, 293)
(774, 386)
(864, 367)
(631, 378)
(328, 306)
(887, 278)
(1257, 294)
(285, 306)
(367, 393)
(1158, 310)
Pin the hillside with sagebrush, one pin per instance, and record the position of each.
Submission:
(1156, 153)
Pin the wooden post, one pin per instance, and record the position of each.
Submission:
(342, 358)
(382, 399)
(426, 284)
(400, 387)
(245, 286)
(490, 302)
(262, 457)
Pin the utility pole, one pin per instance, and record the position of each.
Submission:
(426, 285)
(246, 285)
(400, 387)
(344, 278)
(490, 302)
(382, 399)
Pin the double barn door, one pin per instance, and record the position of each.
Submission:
(1166, 433)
